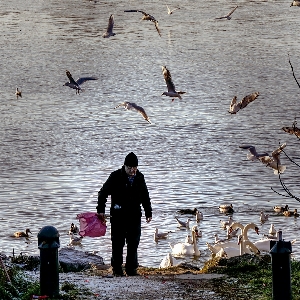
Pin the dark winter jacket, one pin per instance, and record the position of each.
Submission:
(126, 199)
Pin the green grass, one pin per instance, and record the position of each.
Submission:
(250, 279)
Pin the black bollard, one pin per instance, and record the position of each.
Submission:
(48, 243)
(281, 269)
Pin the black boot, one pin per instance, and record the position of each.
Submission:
(118, 272)
(131, 272)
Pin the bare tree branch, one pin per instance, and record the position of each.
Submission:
(293, 71)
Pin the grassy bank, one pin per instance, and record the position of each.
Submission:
(247, 277)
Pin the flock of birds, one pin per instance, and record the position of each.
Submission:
(235, 243)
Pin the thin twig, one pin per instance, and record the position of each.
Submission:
(293, 71)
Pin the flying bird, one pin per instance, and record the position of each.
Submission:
(252, 155)
(228, 16)
(292, 130)
(274, 161)
(295, 3)
(171, 11)
(76, 84)
(146, 17)
(129, 105)
(170, 85)
(109, 31)
(18, 93)
(235, 107)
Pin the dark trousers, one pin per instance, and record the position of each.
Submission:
(128, 231)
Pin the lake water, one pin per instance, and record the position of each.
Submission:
(58, 148)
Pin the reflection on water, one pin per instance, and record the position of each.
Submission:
(57, 148)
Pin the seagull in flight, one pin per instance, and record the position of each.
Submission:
(252, 155)
(76, 84)
(228, 16)
(18, 93)
(235, 107)
(292, 130)
(146, 17)
(109, 31)
(171, 11)
(170, 85)
(130, 105)
(274, 161)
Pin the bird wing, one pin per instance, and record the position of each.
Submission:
(70, 77)
(265, 159)
(141, 111)
(247, 99)
(156, 26)
(81, 80)
(175, 9)
(168, 80)
(234, 107)
(110, 24)
(277, 152)
(292, 130)
(229, 14)
(136, 10)
(122, 104)
(251, 149)
(169, 11)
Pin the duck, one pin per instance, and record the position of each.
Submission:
(22, 233)
(74, 228)
(160, 235)
(263, 217)
(291, 213)
(182, 223)
(225, 208)
(75, 240)
(280, 209)
(228, 223)
(186, 249)
(199, 216)
(188, 211)
(168, 261)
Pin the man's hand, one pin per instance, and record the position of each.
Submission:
(148, 219)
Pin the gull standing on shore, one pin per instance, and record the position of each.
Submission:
(170, 85)
(146, 17)
(235, 107)
(130, 105)
(76, 84)
(109, 30)
(228, 16)
(171, 11)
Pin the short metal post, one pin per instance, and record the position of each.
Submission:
(48, 243)
(281, 269)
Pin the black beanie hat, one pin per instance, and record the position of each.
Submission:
(131, 160)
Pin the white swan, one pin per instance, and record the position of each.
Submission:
(183, 249)
(168, 261)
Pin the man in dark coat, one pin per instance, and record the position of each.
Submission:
(128, 191)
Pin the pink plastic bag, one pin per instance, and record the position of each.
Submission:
(90, 225)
